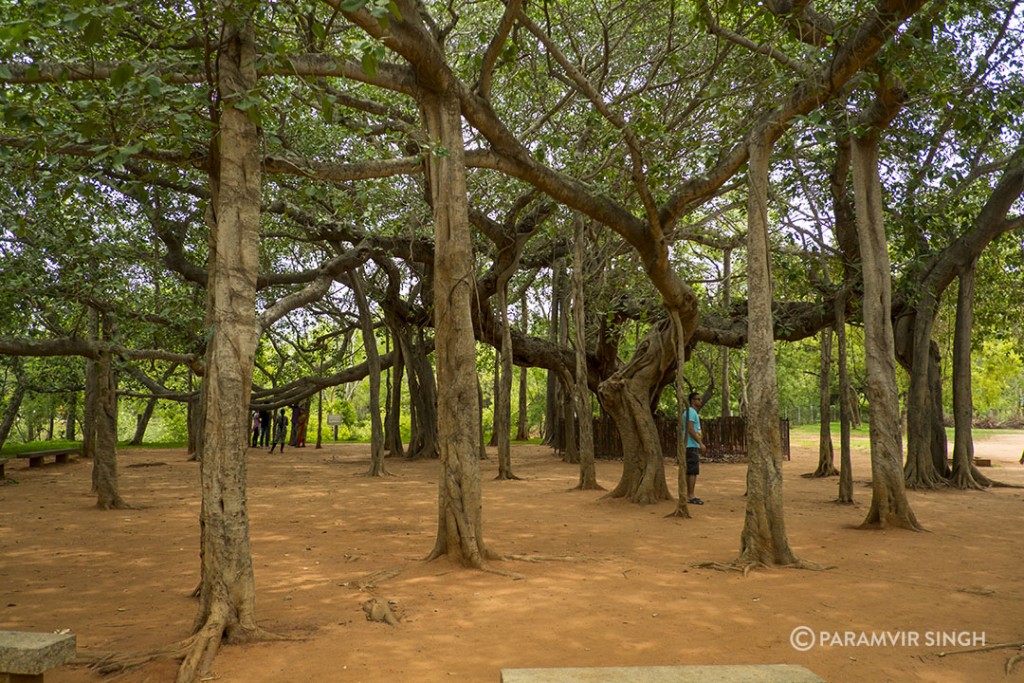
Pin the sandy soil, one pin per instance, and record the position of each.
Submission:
(600, 582)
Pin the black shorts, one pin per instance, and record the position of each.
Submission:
(693, 461)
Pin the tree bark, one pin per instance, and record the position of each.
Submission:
(627, 396)
(523, 423)
(393, 421)
(889, 504)
(584, 411)
(460, 518)
(763, 540)
(726, 409)
(227, 587)
(926, 452)
(105, 458)
(826, 454)
(377, 468)
(845, 410)
(11, 411)
(552, 418)
(90, 399)
(965, 474)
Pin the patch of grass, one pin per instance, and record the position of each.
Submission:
(16, 448)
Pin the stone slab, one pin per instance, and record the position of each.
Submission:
(22, 652)
(738, 673)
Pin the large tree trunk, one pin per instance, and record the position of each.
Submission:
(105, 458)
(377, 468)
(926, 453)
(584, 411)
(627, 396)
(889, 504)
(826, 454)
(965, 474)
(460, 518)
(227, 588)
(423, 442)
(763, 540)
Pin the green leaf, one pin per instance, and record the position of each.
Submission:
(121, 74)
(93, 31)
(369, 62)
(352, 5)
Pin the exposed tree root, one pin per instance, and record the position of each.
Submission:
(507, 477)
(746, 567)
(373, 579)
(989, 648)
(545, 558)
(822, 471)
(589, 486)
(1012, 662)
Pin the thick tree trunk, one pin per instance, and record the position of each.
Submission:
(377, 468)
(460, 518)
(965, 474)
(889, 504)
(423, 442)
(627, 396)
(826, 454)
(104, 460)
(584, 412)
(763, 540)
(227, 587)
(926, 454)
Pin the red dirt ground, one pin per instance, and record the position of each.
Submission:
(599, 582)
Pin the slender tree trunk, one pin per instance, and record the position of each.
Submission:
(393, 423)
(552, 419)
(565, 390)
(460, 517)
(826, 456)
(69, 418)
(227, 588)
(584, 412)
(523, 430)
(763, 540)
(503, 398)
(377, 468)
(726, 410)
(142, 422)
(965, 474)
(845, 411)
(11, 412)
(889, 504)
(90, 399)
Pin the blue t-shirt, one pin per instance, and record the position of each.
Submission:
(694, 419)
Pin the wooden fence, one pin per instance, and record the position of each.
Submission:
(726, 437)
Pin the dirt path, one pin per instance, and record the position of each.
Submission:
(603, 582)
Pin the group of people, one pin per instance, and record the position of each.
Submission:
(271, 429)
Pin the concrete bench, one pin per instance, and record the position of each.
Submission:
(35, 458)
(25, 657)
(733, 673)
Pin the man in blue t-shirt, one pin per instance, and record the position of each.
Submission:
(694, 445)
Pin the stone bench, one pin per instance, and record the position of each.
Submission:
(25, 657)
(35, 458)
(733, 673)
